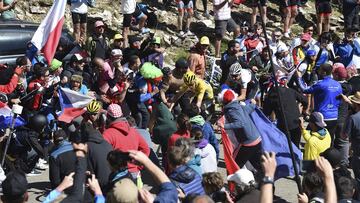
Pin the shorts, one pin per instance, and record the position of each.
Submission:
(127, 17)
(323, 8)
(254, 3)
(221, 26)
(182, 6)
(290, 3)
(79, 18)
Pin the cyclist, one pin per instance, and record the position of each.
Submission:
(199, 88)
(95, 115)
(241, 81)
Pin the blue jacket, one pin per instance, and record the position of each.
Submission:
(345, 52)
(187, 179)
(324, 57)
(325, 92)
(238, 119)
(167, 194)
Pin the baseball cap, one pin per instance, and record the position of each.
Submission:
(318, 119)
(59, 136)
(204, 40)
(306, 37)
(114, 110)
(156, 40)
(77, 57)
(55, 64)
(134, 39)
(76, 78)
(116, 52)
(15, 185)
(310, 53)
(243, 178)
(118, 36)
(99, 23)
(340, 70)
(124, 190)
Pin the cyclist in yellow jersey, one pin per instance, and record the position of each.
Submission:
(200, 88)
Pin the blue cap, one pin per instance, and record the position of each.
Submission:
(311, 53)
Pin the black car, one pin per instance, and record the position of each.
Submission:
(15, 34)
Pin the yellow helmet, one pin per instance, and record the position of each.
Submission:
(94, 107)
(189, 78)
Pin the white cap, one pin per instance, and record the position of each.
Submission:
(243, 177)
(78, 57)
(116, 52)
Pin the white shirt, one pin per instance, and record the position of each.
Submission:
(208, 158)
(128, 6)
(223, 13)
(79, 6)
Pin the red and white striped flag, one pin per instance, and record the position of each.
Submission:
(47, 36)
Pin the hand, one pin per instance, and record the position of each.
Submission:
(253, 101)
(15, 101)
(324, 167)
(298, 74)
(155, 91)
(94, 185)
(146, 196)
(12, 5)
(301, 123)
(80, 149)
(181, 194)
(105, 99)
(64, 80)
(126, 85)
(91, 94)
(19, 71)
(67, 182)
(254, 69)
(138, 156)
(269, 164)
(303, 198)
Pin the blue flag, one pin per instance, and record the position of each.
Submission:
(5, 122)
(273, 140)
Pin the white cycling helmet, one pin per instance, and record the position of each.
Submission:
(235, 69)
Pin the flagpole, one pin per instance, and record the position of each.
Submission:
(297, 177)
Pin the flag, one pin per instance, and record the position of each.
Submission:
(46, 37)
(72, 104)
(273, 140)
(6, 117)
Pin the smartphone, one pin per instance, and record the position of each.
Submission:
(308, 166)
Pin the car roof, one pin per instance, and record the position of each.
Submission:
(18, 23)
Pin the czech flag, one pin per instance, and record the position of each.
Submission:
(6, 117)
(72, 103)
(47, 36)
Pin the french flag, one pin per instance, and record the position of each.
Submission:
(73, 104)
(47, 36)
(6, 117)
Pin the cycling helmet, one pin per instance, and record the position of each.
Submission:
(181, 63)
(189, 78)
(38, 122)
(235, 69)
(93, 107)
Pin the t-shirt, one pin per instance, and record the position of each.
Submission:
(79, 6)
(8, 14)
(223, 13)
(128, 6)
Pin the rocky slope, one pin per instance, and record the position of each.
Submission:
(109, 11)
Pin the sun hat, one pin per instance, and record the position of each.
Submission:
(243, 178)
(355, 98)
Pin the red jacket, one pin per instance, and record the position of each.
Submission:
(123, 137)
(37, 101)
(10, 87)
